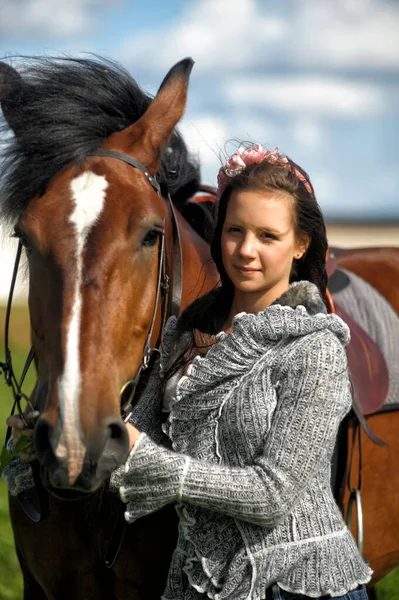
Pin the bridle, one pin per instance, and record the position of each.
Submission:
(6, 367)
(171, 302)
(169, 290)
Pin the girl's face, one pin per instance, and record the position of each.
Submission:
(259, 243)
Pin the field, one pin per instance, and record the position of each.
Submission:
(10, 578)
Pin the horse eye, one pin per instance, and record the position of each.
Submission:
(151, 238)
(22, 238)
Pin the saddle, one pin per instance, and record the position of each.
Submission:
(367, 366)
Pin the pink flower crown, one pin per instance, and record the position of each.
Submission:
(254, 154)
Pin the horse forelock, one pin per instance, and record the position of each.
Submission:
(72, 106)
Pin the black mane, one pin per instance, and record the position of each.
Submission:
(71, 106)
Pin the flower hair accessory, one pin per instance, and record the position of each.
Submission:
(241, 159)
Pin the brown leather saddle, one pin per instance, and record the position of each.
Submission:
(367, 366)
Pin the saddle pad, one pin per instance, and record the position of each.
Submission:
(376, 316)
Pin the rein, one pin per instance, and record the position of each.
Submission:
(6, 368)
(34, 503)
(171, 303)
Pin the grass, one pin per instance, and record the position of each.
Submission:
(10, 580)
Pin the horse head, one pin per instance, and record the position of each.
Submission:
(93, 235)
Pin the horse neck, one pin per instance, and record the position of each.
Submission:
(199, 271)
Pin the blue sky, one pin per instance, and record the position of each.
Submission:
(317, 78)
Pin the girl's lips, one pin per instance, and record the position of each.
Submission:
(246, 270)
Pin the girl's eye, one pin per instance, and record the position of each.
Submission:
(233, 230)
(267, 236)
(151, 238)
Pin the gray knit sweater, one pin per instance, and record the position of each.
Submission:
(252, 427)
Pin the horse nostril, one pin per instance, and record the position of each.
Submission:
(116, 448)
(42, 436)
(43, 446)
(118, 431)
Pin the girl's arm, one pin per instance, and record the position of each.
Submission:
(313, 398)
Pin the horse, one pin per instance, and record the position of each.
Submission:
(92, 177)
(81, 191)
(374, 467)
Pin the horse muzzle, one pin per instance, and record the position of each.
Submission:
(67, 470)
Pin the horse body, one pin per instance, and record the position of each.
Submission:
(378, 465)
(379, 493)
(62, 557)
(92, 227)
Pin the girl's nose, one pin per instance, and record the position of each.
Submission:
(247, 247)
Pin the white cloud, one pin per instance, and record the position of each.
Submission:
(205, 135)
(307, 33)
(217, 34)
(347, 34)
(308, 133)
(49, 18)
(309, 95)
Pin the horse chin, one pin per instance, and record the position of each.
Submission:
(67, 494)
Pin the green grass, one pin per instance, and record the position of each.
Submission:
(10, 578)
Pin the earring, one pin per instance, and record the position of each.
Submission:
(297, 256)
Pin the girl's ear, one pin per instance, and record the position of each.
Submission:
(301, 247)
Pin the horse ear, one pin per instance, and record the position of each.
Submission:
(12, 93)
(154, 129)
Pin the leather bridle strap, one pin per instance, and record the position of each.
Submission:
(177, 263)
(148, 352)
(7, 367)
(130, 161)
(170, 306)
(34, 502)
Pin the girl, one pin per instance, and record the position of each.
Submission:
(254, 381)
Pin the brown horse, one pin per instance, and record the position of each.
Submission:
(102, 246)
(380, 473)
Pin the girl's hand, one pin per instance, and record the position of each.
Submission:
(133, 434)
(22, 436)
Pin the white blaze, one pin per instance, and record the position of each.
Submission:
(88, 195)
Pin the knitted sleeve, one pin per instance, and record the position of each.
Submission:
(147, 413)
(314, 396)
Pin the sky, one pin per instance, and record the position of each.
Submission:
(317, 78)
